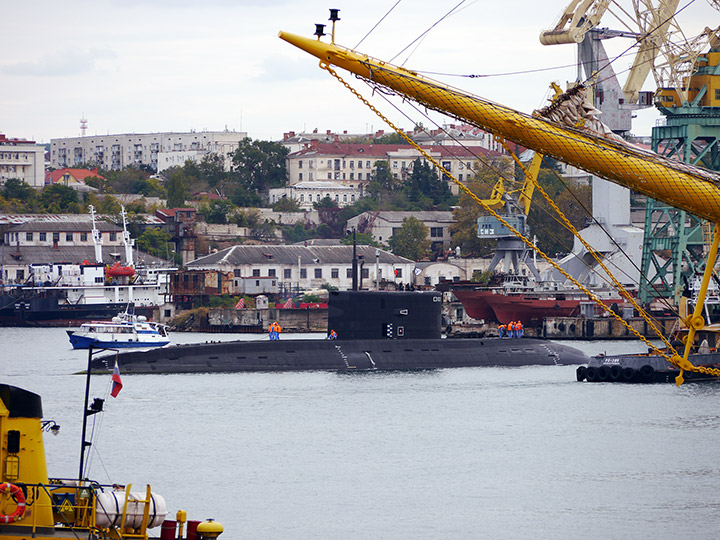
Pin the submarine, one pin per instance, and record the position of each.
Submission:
(376, 330)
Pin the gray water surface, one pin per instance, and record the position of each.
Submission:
(460, 453)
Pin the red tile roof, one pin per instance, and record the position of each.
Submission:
(79, 174)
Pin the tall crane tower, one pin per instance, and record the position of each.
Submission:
(673, 240)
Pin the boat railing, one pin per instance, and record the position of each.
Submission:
(77, 506)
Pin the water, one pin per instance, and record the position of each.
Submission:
(475, 453)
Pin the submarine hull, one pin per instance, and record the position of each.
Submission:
(345, 355)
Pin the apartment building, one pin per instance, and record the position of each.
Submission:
(22, 159)
(156, 150)
(353, 164)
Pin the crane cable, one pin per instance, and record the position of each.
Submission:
(674, 358)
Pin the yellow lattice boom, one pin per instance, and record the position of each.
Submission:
(683, 186)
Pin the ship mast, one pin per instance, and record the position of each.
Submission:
(127, 241)
(96, 236)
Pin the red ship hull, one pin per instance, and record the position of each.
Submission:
(504, 307)
(473, 300)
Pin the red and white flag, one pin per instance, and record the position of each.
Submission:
(240, 304)
(116, 381)
(288, 304)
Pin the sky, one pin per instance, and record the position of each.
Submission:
(160, 65)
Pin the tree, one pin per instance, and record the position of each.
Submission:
(155, 242)
(20, 196)
(176, 191)
(425, 190)
(246, 198)
(411, 241)
(59, 199)
(218, 211)
(287, 204)
(260, 165)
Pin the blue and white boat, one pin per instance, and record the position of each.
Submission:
(124, 331)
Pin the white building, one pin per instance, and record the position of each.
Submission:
(353, 164)
(308, 267)
(307, 193)
(23, 160)
(382, 225)
(156, 150)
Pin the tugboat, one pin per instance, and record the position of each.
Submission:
(126, 330)
(35, 506)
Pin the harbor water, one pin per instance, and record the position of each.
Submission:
(496, 453)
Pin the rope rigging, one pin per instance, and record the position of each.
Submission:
(670, 354)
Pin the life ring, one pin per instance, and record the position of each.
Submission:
(17, 493)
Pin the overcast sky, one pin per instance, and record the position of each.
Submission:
(162, 65)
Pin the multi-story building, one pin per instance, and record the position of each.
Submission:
(351, 165)
(23, 160)
(156, 150)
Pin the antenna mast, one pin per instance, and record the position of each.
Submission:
(127, 241)
(97, 237)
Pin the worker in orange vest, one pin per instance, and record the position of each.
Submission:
(501, 330)
(519, 329)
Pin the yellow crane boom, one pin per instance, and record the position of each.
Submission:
(687, 187)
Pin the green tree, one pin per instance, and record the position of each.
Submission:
(176, 191)
(411, 240)
(217, 211)
(260, 165)
(59, 199)
(246, 198)
(361, 239)
(211, 169)
(155, 242)
(286, 204)
(20, 197)
(425, 190)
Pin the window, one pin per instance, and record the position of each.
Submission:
(394, 164)
(256, 272)
(398, 272)
(83, 237)
(318, 273)
(352, 164)
(56, 237)
(365, 273)
(113, 236)
(69, 237)
(271, 272)
(29, 236)
(302, 198)
(359, 164)
(300, 164)
(300, 176)
(359, 176)
(335, 273)
(352, 176)
(436, 232)
(287, 273)
(348, 273)
(367, 164)
(303, 273)
(237, 273)
(446, 166)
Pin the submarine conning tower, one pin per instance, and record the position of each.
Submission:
(385, 314)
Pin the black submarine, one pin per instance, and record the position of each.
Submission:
(376, 331)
